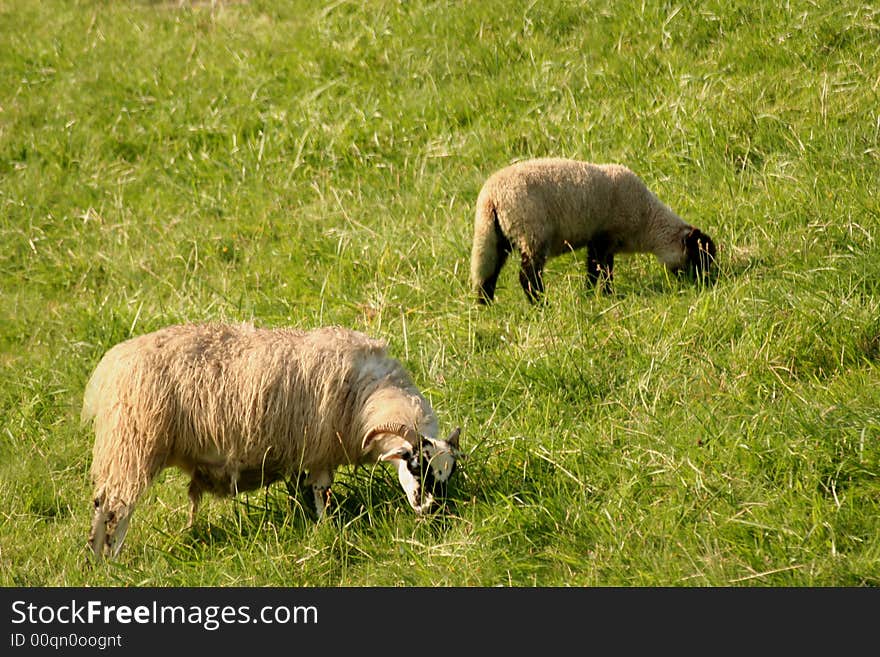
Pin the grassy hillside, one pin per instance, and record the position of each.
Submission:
(299, 165)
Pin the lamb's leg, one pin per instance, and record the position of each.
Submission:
(600, 264)
(530, 276)
(320, 483)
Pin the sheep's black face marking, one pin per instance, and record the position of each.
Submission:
(429, 468)
(432, 465)
(424, 465)
(701, 252)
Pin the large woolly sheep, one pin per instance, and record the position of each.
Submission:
(238, 407)
(549, 206)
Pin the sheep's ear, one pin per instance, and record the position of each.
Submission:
(453, 438)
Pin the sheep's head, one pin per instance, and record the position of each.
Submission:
(700, 253)
(424, 464)
(691, 253)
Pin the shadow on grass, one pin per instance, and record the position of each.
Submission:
(360, 500)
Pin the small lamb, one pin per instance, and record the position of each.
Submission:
(549, 206)
(238, 407)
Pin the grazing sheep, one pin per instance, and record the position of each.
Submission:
(549, 206)
(238, 407)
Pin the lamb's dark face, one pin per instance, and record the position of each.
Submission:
(425, 471)
(700, 253)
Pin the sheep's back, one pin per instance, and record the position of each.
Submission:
(553, 202)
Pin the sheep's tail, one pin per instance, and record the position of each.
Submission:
(490, 249)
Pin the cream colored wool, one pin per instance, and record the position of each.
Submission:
(237, 406)
(549, 206)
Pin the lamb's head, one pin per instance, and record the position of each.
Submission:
(693, 254)
(701, 251)
(424, 464)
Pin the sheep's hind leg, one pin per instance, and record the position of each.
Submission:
(600, 265)
(531, 278)
(195, 497)
(486, 292)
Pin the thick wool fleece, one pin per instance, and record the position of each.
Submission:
(241, 400)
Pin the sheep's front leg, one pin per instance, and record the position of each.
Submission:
(320, 484)
(600, 264)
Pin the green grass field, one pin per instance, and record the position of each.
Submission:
(299, 165)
